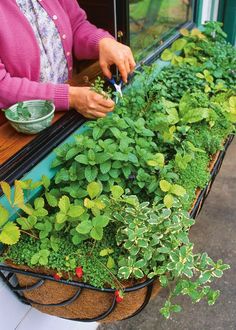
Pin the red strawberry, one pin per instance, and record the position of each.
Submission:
(57, 276)
(79, 272)
(119, 299)
(117, 293)
(119, 296)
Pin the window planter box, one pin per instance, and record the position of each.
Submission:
(79, 301)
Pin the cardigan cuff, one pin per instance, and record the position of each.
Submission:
(96, 37)
(61, 97)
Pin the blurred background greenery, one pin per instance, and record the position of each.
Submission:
(151, 21)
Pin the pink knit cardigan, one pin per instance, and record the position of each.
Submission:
(20, 54)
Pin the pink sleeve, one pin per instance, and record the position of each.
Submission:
(14, 89)
(86, 36)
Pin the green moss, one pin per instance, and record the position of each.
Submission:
(69, 256)
(210, 139)
(196, 175)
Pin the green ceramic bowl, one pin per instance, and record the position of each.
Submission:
(30, 117)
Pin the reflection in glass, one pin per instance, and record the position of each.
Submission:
(152, 20)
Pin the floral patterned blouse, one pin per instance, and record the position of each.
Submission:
(53, 64)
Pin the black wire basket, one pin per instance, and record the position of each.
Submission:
(39, 290)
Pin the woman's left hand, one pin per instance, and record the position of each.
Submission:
(113, 52)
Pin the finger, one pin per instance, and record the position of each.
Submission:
(127, 66)
(106, 69)
(123, 72)
(103, 100)
(132, 63)
(97, 114)
(100, 108)
(106, 103)
(89, 116)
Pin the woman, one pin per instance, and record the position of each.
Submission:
(37, 41)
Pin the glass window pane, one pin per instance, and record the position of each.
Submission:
(151, 21)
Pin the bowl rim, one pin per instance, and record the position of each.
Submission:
(33, 120)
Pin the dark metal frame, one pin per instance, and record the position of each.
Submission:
(124, 25)
(8, 274)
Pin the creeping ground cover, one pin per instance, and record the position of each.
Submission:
(118, 207)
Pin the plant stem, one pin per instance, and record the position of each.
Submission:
(93, 247)
(31, 235)
(110, 272)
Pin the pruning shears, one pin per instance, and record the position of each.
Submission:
(117, 86)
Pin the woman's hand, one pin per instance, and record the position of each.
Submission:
(88, 103)
(113, 52)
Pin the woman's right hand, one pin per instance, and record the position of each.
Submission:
(89, 103)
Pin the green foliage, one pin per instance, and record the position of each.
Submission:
(98, 87)
(156, 147)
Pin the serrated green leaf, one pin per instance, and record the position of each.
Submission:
(82, 159)
(97, 233)
(41, 212)
(4, 215)
(97, 132)
(120, 156)
(105, 167)
(52, 200)
(116, 132)
(34, 259)
(27, 208)
(19, 194)
(61, 218)
(91, 173)
(27, 223)
(71, 153)
(39, 203)
(64, 204)
(75, 211)
(100, 221)
(46, 181)
(84, 227)
(10, 234)
(88, 203)
(6, 190)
